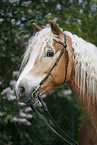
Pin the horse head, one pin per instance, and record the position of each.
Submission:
(41, 54)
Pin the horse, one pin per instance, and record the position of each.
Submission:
(80, 73)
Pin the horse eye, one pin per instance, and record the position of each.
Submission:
(50, 53)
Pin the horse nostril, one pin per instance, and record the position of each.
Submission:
(22, 92)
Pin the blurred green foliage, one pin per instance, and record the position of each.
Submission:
(16, 18)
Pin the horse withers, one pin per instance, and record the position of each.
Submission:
(80, 73)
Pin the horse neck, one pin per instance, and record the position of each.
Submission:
(78, 84)
(86, 99)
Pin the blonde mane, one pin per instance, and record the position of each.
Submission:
(85, 57)
(38, 44)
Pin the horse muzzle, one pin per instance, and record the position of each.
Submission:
(22, 95)
(25, 97)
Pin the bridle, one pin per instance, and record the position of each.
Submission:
(38, 88)
(37, 94)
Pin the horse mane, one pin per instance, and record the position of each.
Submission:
(38, 44)
(85, 57)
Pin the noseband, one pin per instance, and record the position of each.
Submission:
(37, 94)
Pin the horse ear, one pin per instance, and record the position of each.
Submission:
(55, 29)
(36, 28)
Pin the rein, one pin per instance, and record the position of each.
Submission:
(41, 117)
(37, 95)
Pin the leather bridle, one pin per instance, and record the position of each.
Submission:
(38, 88)
(36, 95)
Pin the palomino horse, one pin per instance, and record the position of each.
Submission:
(81, 76)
